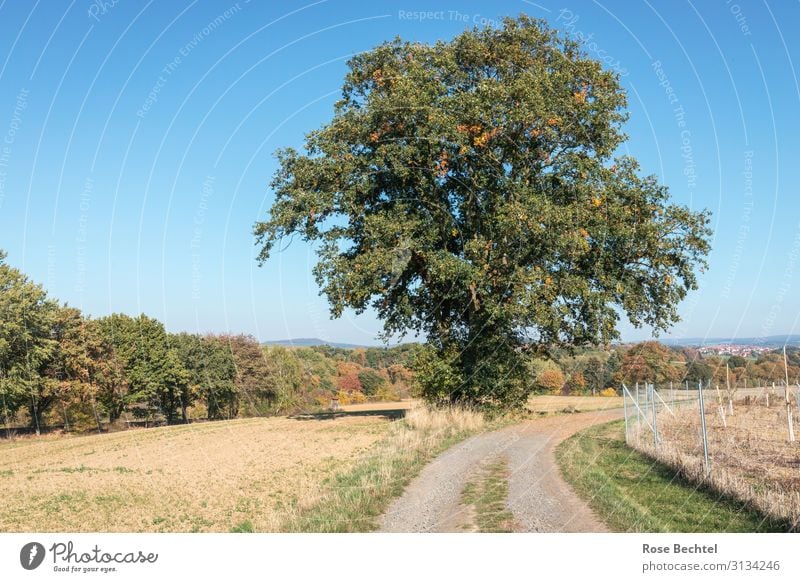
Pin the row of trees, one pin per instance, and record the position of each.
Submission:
(57, 363)
(654, 362)
(651, 361)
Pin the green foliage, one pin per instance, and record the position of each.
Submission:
(737, 362)
(612, 368)
(371, 382)
(595, 375)
(27, 317)
(59, 367)
(437, 374)
(211, 372)
(254, 395)
(698, 371)
(243, 527)
(154, 373)
(467, 191)
(285, 377)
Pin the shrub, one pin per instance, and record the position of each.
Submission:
(350, 397)
(387, 393)
(608, 392)
(349, 383)
(576, 383)
(550, 381)
(371, 382)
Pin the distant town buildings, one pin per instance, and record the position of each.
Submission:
(744, 350)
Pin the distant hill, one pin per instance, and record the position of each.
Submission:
(307, 342)
(768, 341)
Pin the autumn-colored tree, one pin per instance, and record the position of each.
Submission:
(576, 383)
(398, 373)
(86, 375)
(344, 368)
(550, 381)
(349, 383)
(652, 362)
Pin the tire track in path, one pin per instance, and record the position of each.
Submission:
(538, 496)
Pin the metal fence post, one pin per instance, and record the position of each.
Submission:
(655, 413)
(703, 424)
(625, 409)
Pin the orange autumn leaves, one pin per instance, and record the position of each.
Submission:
(479, 135)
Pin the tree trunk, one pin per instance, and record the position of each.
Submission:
(35, 419)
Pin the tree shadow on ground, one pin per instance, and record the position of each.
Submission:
(393, 414)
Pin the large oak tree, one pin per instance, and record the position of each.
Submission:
(469, 191)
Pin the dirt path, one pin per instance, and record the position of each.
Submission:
(538, 497)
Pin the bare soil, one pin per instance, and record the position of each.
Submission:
(198, 477)
(539, 499)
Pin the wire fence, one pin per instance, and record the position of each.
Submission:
(739, 441)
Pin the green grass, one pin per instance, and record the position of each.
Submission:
(632, 493)
(243, 527)
(487, 493)
(359, 496)
(356, 498)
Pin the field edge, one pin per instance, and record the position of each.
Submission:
(631, 492)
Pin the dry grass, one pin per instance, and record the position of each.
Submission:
(203, 477)
(257, 474)
(547, 404)
(360, 495)
(750, 456)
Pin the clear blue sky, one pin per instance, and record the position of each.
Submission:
(136, 145)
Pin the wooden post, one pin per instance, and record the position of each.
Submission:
(728, 384)
(797, 398)
(721, 409)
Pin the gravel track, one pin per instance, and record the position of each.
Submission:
(539, 498)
